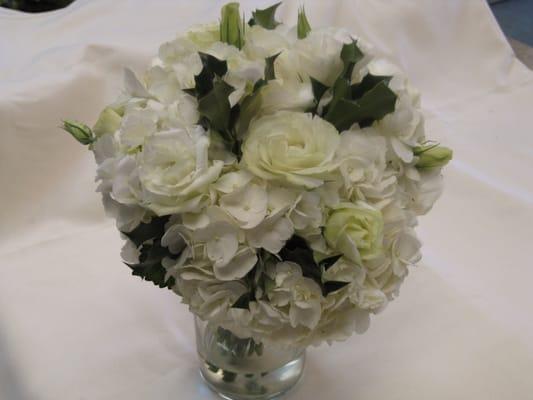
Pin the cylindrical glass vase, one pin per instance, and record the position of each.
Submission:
(242, 369)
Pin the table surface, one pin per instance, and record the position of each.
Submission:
(74, 324)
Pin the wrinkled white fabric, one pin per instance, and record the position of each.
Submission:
(75, 325)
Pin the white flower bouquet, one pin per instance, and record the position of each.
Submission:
(270, 176)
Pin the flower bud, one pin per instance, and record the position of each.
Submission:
(303, 27)
(231, 27)
(81, 132)
(432, 156)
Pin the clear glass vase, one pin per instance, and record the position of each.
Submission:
(241, 369)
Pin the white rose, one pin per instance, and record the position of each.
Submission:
(175, 171)
(291, 148)
(356, 230)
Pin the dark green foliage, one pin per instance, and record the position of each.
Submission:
(211, 67)
(149, 267)
(372, 106)
(297, 250)
(326, 263)
(215, 107)
(303, 27)
(254, 279)
(148, 231)
(318, 89)
(341, 90)
(350, 55)
(265, 18)
(269, 67)
(368, 83)
(236, 346)
(362, 103)
(147, 237)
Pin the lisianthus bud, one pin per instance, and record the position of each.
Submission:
(303, 27)
(108, 122)
(432, 156)
(81, 132)
(231, 27)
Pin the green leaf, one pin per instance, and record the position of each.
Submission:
(242, 302)
(303, 28)
(368, 83)
(213, 64)
(211, 68)
(318, 89)
(147, 231)
(326, 263)
(341, 90)
(81, 132)
(150, 266)
(372, 106)
(269, 67)
(298, 251)
(265, 18)
(350, 55)
(231, 25)
(332, 286)
(215, 106)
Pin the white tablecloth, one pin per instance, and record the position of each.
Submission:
(74, 324)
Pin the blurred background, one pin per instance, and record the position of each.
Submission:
(516, 20)
(514, 16)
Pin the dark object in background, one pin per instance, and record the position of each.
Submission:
(35, 6)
